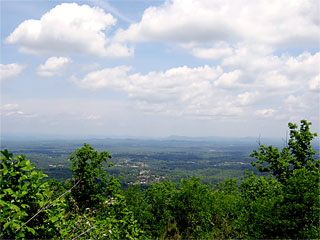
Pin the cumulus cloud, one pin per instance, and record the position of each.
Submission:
(69, 28)
(13, 110)
(194, 24)
(265, 112)
(274, 80)
(270, 72)
(314, 83)
(229, 80)
(256, 89)
(295, 103)
(107, 78)
(53, 66)
(177, 91)
(247, 98)
(10, 70)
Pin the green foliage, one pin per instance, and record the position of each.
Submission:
(260, 199)
(23, 194)
(171, 231)
(287, 204)
(31, 208)
(298, 154)
(271, 209)
(192, 211)
(153, 207)
(225, 207)
(93, 186)
(97, 207)
(160, 197)
(202, 212)
(112, 220)
(300, 207)
(283, 204)
(141, 208)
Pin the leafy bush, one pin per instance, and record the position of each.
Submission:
(285, 204)
(24, 200)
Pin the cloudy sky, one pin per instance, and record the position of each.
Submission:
(157, 68)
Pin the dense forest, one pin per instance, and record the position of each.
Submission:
(283, 202)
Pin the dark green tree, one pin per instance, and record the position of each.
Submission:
(225, 209)
(159, 198)
(296, 155)
(93, 184)
(101, 209)
(192, 209)
(284, 204)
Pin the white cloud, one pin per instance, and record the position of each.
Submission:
(229, 80)
(178, 21)
(275, 80)
(314, 83)
(10, 70)
(270, 72)
(13, 110)
(198, 23)
(212, 91)
(298, 104)
(291, 99)
(92, 117)
(10, 113)
(253, 73)
(247, 98)
(265, 112)
(253, 56)
(53, 66)
(106, 78)
(177, 91)
(9, 106)
(212, 53)
(69, 28)
(116, 49)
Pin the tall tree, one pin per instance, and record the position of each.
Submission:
(284, 204)
(297, 154)
(93, 185)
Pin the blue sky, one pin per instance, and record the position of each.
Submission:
(232, 68)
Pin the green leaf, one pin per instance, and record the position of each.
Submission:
(25, 206)
(6, 225)
(9, 191)
(29, 167)
(4, 169)
(3, 203)
(31, 230)
(6, 154)
(14, 207)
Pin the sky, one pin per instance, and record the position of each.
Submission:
(157, 68)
